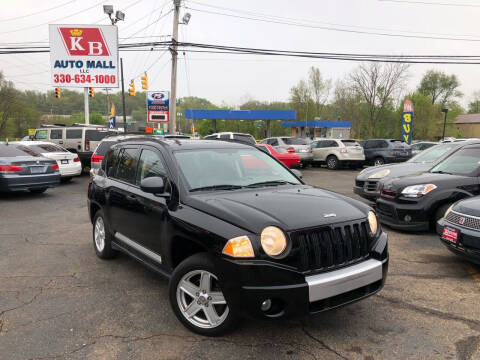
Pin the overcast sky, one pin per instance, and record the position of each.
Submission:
(232, 79)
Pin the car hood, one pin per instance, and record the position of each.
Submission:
(469, 206)
(288, 207)
(441, 180)
(402, 169)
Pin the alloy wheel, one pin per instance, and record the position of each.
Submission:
(99, 234)
(201, 300)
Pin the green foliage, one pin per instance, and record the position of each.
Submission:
(440, 87)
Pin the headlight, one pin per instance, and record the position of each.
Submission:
(239, 247)
(372, 222)
(416, 191)
(380, 174)
(273, 241)
(448, 210)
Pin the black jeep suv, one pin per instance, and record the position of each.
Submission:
(234, 230)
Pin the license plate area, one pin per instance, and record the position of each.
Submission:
(37, 169)
(64, 161)
(450, 234)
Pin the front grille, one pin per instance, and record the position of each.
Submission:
(329, 248)
(371, 185)
(464, 220)
(359, 183)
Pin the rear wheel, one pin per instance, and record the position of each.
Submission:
(197, 298)
(65, 179)
(378, 161)
(332, 162)
(38, 191)
(102, 239)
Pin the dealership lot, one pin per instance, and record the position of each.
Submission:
(58, 300)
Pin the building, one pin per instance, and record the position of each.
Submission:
(468, 125)
(319, 129)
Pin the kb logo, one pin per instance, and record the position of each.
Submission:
(84, 41)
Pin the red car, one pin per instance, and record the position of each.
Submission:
(289, 159)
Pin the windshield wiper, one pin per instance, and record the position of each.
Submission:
(270, 183)
(441, 172)
(217, 187)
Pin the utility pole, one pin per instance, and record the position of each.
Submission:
(123, 98)
(87, 111)
(173, 86)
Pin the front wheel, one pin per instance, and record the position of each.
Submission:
(378, 161)
(198, 300)
(332, 162)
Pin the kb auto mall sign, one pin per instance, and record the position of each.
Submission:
(84, 55)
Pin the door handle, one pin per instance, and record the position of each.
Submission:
(60, 142)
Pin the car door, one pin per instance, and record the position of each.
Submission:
(319, 151)
(73, 140)
(150, 211)
(368, 149)
(56, 136)
(121, 201)
(331, 147)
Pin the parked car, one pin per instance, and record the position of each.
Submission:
(459, 229)
(418, 147)
(299, 146)
(384, 151)
(68, 163)
(368, 181)
(237, 137)
(226, 223)
(418, 201)
(22, 169)
(337, 152)
(290, 160)
(80, 139)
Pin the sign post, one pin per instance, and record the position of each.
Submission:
(407, 121)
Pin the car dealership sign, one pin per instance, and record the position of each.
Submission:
(84, 55)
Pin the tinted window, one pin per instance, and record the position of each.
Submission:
(46, 148)
(225, 136)
(274, 142)
(332, 143)
(350, 143)
(127, 165)
(244, 138)
(463, 162)
(382, 144)
(150, 164)
(41, 135)
(109, 163)
(95, 135)
(56, 134)
(294, 141)
(74, 134)
(12, 150)
(321, 144)
(103, 147)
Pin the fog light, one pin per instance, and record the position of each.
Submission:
(407, 218)
(266, 305)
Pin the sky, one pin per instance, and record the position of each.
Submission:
(233, 79)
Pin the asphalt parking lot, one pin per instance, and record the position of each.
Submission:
(58, 300)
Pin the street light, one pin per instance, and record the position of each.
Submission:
(445, 111)
(108, 9)
(186, 18)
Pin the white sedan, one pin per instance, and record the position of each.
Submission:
(68, 163)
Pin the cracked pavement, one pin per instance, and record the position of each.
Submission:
(59, 301)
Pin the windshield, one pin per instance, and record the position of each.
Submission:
(294, 141)
(463, 162)
(230, 167)
(432, 154)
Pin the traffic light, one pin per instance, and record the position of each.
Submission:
(131, 90)
(58, 95)
(145, 81)
(91, 92)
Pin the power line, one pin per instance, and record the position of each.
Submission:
(297, 24)
(38, 12)
(148, 25)
(431, 3)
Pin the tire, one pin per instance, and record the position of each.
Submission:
(378, 161)
(38, 191)
(208, 319)
(440, 213)
(103, 248)
(65, 179)
(332, 162)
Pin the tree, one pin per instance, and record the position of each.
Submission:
(440, 87)
(377, 84)
(474, 105)
(300, 97)
(319, 89)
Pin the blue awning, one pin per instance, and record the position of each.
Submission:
(317, 123)
(241, 114)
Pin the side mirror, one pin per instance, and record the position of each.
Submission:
(153, 185)
(297, 173)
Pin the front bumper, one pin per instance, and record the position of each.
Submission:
(292, 293)
(468, 243)
(368, 189)
(393, 214)
(28, 182)
(74, 169)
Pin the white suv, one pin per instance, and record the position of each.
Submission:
(245, 138)
(335, 152)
